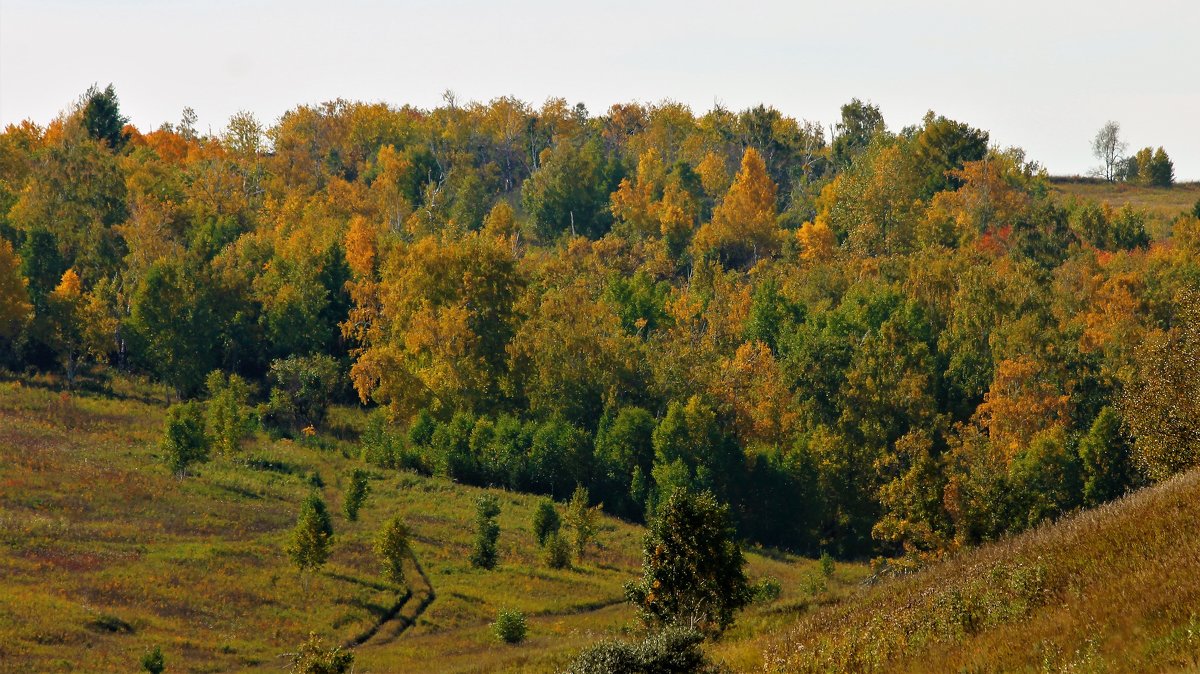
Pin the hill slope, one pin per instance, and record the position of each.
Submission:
(103, 554)
(1115, 589)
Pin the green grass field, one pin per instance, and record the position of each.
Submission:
(104, 554)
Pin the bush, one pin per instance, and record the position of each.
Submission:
(826, 564)
(766, 590)
(558, 551)
(184, 440)
(392, 547)
(510, 627)
(545, 521)
(674, 650)
(226, 411)
(316, 658)
(153, 661)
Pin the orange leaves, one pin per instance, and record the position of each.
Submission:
(14, 297)
(753, 386)
(1021, 402)
(361, 247)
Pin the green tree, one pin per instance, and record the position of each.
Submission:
(302, 388)
(172, 319)
(693, 569)
(570, 191)
(673, 650)
(102, 117)
(943, 146)
(583, 520)
(392, 546)
(227, 411)
(860, 122)
(545, 521)
(153, 660)
(1104, 458)
(356, 493)
(557, 551)
(184, 440)
(484, 553)
(312, 537)
(1161, 170)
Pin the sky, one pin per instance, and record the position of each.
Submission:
(1041, 75)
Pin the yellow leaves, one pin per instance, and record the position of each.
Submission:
(361, 247)
(743, 227)
(69, 288)
(14, 296)
(501, 223)
(713, 175)
(1020, 403)
(752, 384)
(817, 240)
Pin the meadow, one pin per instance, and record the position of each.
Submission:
(106, 554)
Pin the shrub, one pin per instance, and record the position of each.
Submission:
(558, 551)
(674, 650)
(153, 661)
(356, 493)
(487, 532)
(510, 627)
(767, 590)
(545, 521)
(313, 536)
(583, 520)
(184, 440)
(826, 564)
(316, 658)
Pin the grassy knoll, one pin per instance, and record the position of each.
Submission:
(103, 554)
(1164, 204)
(1111, 590)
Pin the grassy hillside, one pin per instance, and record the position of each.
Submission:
(1164, 204)
(103, 554)
(1116, 589)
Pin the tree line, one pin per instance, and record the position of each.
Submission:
(883, 341)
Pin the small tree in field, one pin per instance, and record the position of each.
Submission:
(312, 538)
(227, 413)
(487, 533)
(545, 521)
(153, 661)
(692, 566)
(184, 440)
(558, 551)
(1108, 147)
(356, 493)
(583, 521)
(392, 547)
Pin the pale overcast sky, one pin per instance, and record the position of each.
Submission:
(1043, 75)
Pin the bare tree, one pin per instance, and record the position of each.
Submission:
(1108, 147)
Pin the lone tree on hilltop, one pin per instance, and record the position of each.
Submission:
(1108, 147)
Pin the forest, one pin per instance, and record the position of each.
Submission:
(862, 341)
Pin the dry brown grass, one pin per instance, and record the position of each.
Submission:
(1116, 589)
(1164, 204)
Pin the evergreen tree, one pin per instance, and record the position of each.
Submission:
(102, 117)
(312, 538)
(1104, 455)
(693, 569)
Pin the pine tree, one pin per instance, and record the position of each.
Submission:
(312, 538)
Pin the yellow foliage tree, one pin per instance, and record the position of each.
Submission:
(14, 296)
(743, 227)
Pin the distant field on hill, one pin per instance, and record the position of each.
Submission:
(1164, 203)
(104, 554)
